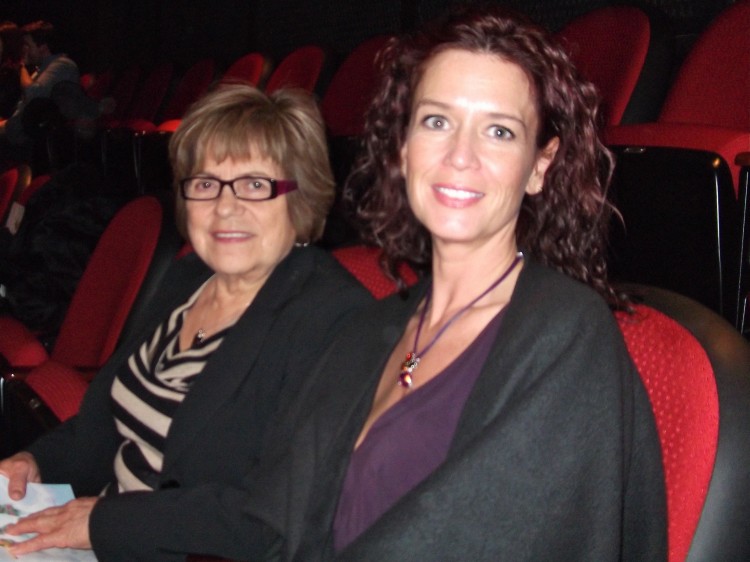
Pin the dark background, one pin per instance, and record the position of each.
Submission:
(102, 34)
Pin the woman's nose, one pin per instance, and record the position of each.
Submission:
(227, 202)
(462, 151)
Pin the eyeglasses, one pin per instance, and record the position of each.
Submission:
(247, 188)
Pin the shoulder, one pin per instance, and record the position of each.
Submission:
(544, 293)
(323, 275)
(551, 316)
(62, 67)
(63, 60)
(310, 292)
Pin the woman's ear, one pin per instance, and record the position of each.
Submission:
(543, 160)
(403, 159)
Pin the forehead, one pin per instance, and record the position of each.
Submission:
(479, 80)
(253, 163)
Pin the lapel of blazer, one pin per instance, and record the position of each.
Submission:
(232, 363)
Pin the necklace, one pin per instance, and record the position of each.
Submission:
(222, 322)
(200, 335)
(414, 357)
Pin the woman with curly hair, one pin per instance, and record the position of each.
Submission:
(494, 413)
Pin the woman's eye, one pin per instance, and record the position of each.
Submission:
(500, 132)
(434, 122)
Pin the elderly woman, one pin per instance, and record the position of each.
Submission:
(495, 413)
(173, 423)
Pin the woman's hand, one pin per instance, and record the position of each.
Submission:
(20, 469)
(66, 526)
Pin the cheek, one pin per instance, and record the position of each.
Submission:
(195, 222)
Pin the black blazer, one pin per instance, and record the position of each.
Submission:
(218, 430)
(555, 456)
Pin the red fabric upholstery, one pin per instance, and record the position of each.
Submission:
(363, 262)
(60, 387)
(249, 68)
(87, 80)
(19, 345)
(727, 143)
(151, 94)
(33, 186)
(713, 84)
(609, 47)
(109, 285)
(299, 69)
(8, 181)
(192, 86)
(680, 383)
(123, 91)
(169, 126)
(13, 183)
(711, 91)
(350, 91)
(97, 85)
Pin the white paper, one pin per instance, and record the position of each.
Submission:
(15, 215)
(38, 497)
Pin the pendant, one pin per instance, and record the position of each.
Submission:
(200, 335)
(407, 367)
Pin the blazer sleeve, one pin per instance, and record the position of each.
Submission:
(79, 452)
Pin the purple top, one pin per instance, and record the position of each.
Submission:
(408, 442)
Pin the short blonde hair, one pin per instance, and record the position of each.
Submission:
(285, 126)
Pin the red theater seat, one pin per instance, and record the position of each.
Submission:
(625, 53)
(103, 296)
(250, 68)
(40, 391)
(350, 91)
(696, 369)
(677, 180)
(299, 69)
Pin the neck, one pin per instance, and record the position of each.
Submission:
(220, 304)
(458, 277)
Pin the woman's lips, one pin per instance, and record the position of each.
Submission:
(456, 196)
(231, 236)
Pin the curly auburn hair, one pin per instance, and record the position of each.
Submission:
(565, 225)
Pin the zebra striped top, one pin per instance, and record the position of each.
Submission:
(146, 396)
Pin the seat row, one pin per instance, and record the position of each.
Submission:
(679, 182)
